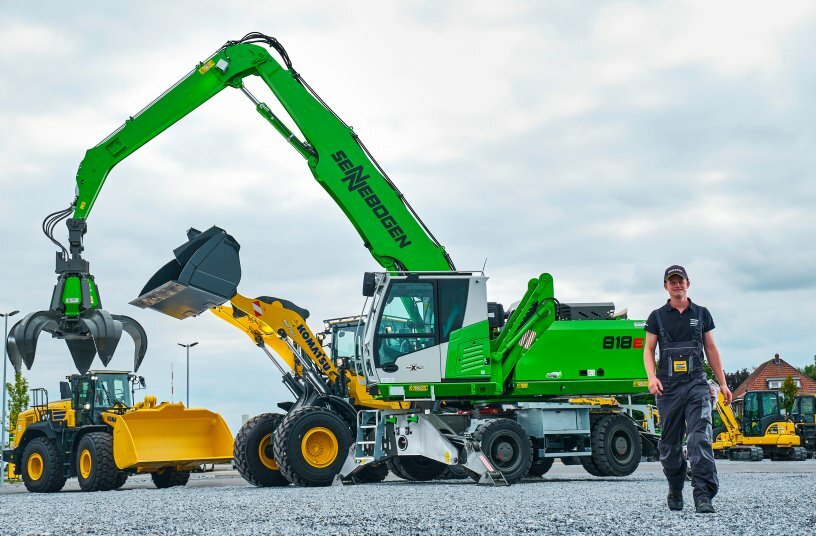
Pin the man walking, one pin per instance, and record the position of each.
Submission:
(683, 331)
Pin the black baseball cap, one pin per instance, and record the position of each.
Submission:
(675, 269)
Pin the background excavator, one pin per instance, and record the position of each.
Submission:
(762, 431)
(97, 434)
(803, 414)
(479, 384)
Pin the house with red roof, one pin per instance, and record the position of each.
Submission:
(771, 374)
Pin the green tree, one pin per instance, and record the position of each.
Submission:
(18, 399)
(789, 390)
(810, 370)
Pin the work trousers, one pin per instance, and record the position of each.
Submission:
(685, 408)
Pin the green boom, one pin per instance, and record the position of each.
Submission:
(396, 238)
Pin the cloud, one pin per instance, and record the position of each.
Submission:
(598, 143)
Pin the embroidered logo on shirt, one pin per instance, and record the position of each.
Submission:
(693, 322)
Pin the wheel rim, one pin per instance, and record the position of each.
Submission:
(265, 453)
(505, 453)
(85, 463)
(319, 447)
(35, 466)
(621, 447)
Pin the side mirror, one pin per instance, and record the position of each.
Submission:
(142, 382)
(65, 390)
(369, 284)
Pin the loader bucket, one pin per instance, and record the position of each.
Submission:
(169, 435)
(205, 273)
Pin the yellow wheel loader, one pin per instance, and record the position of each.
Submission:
(96, 434)
(762, 432)
(306, 445)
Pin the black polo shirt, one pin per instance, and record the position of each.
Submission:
(679, 326)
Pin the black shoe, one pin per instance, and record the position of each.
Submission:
(675, 499)
(704, 506)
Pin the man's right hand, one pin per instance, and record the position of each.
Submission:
(655, 387)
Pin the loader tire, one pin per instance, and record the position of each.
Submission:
(95, 468)
(540, 466)
(41, 466)
(170, 477)
(416, 468)
(616, 447)
(121, 478)
(508, 447)
(254, 452)
(371, 473)
(311, 446)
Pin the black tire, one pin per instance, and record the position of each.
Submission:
(371, 473)
(253, 452)
(44, 459)
(416, 468)
(396, 469)
(590, 467)
(121, 478)
(508, 447)
(318, 431)
(170, 477)
(95, 468)
(571, 460)
(540, 466)
(616, 447)
(453, 472)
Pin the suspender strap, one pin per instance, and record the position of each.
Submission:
(662, 335)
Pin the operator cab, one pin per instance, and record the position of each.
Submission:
(760, 409)
(98, 391)
(346, 339)
(804, 409)
(416, 316)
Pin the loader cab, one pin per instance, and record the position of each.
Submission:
(414, 319)
(760, 409)
(95, 392)
(346, 340)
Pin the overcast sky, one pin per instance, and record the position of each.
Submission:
(599, 142)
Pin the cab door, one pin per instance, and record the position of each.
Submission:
(406, 341)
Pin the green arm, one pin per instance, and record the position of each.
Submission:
(395, 237)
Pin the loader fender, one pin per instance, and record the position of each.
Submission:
(40, 429)
(342, 408)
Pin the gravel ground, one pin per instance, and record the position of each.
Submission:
(755, 498)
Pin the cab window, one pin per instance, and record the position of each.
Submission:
(407, 322)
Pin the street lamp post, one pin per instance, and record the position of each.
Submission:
(3, 421)
(187, 347)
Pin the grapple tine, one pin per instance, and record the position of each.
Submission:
(105, 332)
(83, 352)
(135, 330)
(22, 339)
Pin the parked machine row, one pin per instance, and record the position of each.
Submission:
(436, 377)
